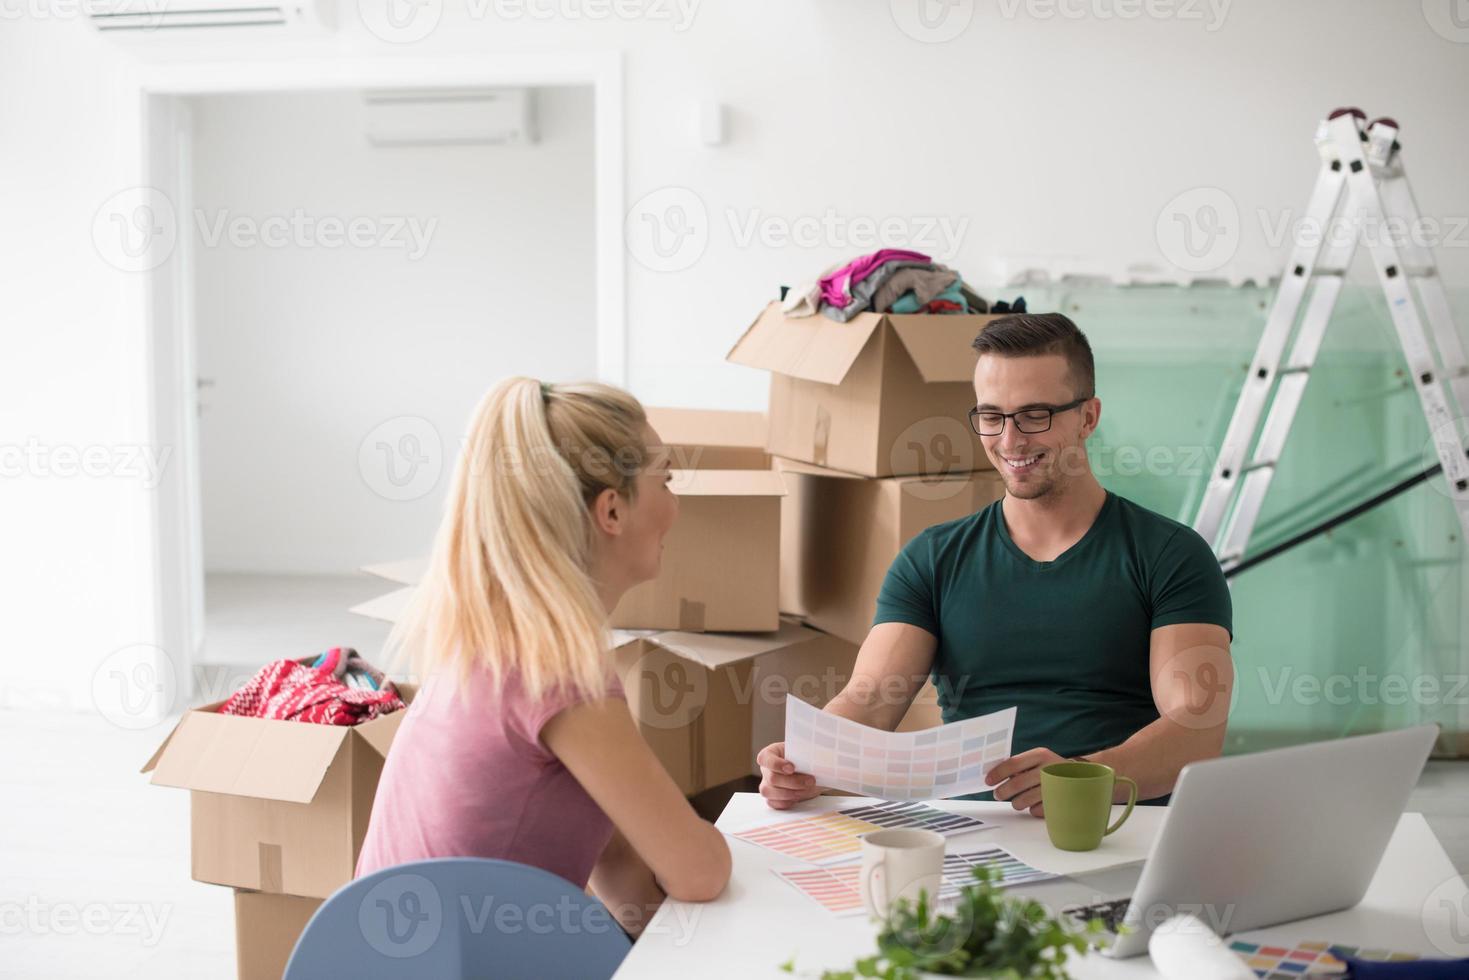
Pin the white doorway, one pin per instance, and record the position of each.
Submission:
(315, 388)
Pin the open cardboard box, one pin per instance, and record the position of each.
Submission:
(707, 703)
(275, 806)
(881, 395)
(839, 534)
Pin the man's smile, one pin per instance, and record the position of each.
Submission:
(1020, 464)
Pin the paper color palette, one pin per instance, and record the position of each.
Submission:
(826, 837)
(1307, 959)
(837, 887)
(933, 764)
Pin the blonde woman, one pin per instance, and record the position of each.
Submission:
(520, 745)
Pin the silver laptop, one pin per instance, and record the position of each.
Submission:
(1255, 840)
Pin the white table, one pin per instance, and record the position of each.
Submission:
(760, 921)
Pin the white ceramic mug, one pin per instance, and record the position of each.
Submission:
(899, 864)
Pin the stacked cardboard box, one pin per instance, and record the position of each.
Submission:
(278, 811)
(868, 427)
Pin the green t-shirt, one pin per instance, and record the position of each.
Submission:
(1065, 641)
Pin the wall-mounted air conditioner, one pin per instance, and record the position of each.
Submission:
(500, 116)
(134, 18)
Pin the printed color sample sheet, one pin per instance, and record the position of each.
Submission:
(1307, 959)
(934, 764)
(827, 837)
(837, 887)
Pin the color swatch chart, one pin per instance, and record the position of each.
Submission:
(826, 837)
(933, 764)
(837, 887)
(1308, 959)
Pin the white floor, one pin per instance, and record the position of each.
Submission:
(94, 862)
(252, 619)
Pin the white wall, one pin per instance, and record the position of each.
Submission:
(1058, 136)
(475, 262)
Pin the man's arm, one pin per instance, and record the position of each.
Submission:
(890, 669)
(1192, 682)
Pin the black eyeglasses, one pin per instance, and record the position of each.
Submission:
(1036, 418)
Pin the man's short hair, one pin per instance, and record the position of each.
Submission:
(1035, 334)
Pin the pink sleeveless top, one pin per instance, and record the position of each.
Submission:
(467, 776)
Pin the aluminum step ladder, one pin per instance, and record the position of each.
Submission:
(1361, 196)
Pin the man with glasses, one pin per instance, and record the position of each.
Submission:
(1106, 624)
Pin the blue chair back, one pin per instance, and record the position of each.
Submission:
(453, 918)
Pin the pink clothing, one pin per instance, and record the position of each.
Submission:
(467, 776)
(836, 287)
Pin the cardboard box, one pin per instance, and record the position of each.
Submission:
(721, 560)
(275, 806)
(706, 703)
(266, 929)
(844, 532)
(709, 439)
(880, 395)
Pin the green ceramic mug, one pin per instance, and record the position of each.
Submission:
(1077, 798)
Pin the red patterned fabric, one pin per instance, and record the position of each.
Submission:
(291, 691)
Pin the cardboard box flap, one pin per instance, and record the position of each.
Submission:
(813, 348)
(783, 465)
(272, 760)
(715, 650)
(385, 607)
(380, 731)
(940, 345)
(709, 427)
(621, 638)
(727, 483)
(409, 571)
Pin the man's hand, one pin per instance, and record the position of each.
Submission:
(780, 784)
(1018, 779)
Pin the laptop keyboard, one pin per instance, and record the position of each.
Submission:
(1110, 913)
